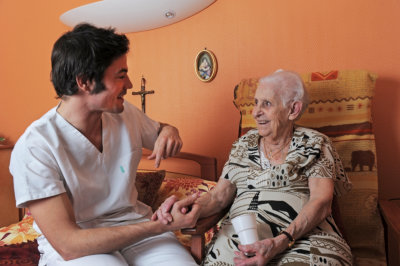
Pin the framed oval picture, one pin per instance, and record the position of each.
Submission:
(205, 65)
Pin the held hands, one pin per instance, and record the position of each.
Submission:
(163, 213)
(178, 213)
(168, 144)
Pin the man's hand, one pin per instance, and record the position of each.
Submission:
(167, 144)
(163, 213)
(188, 218)
(182, 219)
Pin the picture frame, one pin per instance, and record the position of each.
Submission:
(205, 65)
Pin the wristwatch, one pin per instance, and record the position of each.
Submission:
(289, 236)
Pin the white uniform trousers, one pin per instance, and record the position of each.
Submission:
(161, 250)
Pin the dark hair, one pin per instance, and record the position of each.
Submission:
(84, 52)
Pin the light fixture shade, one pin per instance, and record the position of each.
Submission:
(134, 15)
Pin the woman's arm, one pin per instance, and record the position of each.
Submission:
(312, 214)
(210, 203)
(56, 220)
(217, 199)
(316, 209)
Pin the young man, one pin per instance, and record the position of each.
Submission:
(75, 167)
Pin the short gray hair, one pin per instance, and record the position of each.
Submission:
(289, 86)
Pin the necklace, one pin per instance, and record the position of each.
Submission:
(271, 156)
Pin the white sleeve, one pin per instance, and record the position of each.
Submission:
(145, 126)
(35, 171)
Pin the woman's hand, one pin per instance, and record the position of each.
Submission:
(163, 213)
(263, 251)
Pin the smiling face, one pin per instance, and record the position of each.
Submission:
(116, 83)
(271, 117)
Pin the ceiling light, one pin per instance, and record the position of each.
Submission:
(170, 14)
(134, 15)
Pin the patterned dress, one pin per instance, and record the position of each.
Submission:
(277, 194)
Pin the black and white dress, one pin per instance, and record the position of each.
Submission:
(277, 194)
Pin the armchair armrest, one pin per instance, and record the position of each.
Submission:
(390, 210)
(197, 246)
(208, 165)
(204, 224)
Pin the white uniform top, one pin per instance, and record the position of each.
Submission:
(53, 157)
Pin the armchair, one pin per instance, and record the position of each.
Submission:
(340, 107)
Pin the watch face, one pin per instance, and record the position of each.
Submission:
(291, 243)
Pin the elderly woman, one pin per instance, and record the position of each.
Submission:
(287, 176)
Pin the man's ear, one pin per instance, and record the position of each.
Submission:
(84, 84)
(295, 110)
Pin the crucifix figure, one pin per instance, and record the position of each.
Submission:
(143, 93)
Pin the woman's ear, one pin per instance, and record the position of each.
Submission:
(295, 110)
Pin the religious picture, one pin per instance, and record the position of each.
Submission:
(205, 65)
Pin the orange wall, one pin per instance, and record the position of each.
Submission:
(249, 38)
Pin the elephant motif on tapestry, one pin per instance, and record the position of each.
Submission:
(362, 158)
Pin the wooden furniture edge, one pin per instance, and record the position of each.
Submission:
(208, 165)
(391, 217)
(6, 146)
(197, 245)
(391, 214)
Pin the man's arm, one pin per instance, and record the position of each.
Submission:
(56, 220)
(168, 144)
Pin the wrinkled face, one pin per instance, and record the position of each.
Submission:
(116, 82)
(271, 117)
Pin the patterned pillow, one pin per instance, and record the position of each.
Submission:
(18, 244)
(340, 107)
(182, 186)
(148, 183)
(18, 233)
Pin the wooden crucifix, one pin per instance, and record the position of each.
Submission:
(143, 93)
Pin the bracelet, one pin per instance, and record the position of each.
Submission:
(289, 236)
